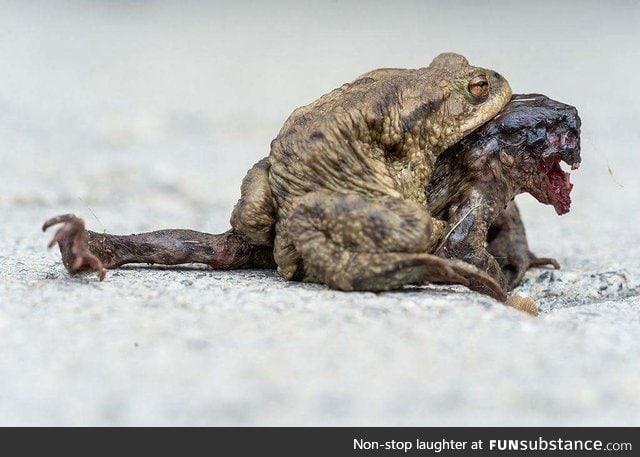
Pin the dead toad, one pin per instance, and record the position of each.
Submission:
(344, 197)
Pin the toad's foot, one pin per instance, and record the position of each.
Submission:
(74, 245)
(519, 262)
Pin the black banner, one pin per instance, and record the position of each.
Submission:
(323, 441)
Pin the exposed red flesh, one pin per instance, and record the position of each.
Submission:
(559, 185)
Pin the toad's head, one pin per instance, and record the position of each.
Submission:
(530, 138)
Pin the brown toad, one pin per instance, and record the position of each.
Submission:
(344, 197)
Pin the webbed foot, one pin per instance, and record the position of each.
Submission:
(519, 261)
(73, 243)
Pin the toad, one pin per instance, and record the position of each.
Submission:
(374, 186)
(475, 181)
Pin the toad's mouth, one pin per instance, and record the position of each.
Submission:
(563, 147)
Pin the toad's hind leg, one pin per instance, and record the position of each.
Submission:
(247, 245)
(83, 250)
(349, 242)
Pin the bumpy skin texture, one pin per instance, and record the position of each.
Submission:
(378, 137)
(345, 198)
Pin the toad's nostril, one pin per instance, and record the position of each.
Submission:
(497, 75)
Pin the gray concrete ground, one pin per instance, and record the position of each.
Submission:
(145, 115)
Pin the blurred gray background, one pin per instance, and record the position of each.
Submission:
(141, 115)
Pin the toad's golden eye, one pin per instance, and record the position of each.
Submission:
(479, 86)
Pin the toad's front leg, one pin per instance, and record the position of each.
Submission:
(507, 242)
(350, 242)
(465, 240)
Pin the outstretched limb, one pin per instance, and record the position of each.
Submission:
(83, 250)
(507, 242)
(350, 242)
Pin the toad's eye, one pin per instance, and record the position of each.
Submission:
(479, 86)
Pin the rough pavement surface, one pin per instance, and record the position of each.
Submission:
(140, 116)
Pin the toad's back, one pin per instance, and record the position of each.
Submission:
(377, 137)
(363, 137)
